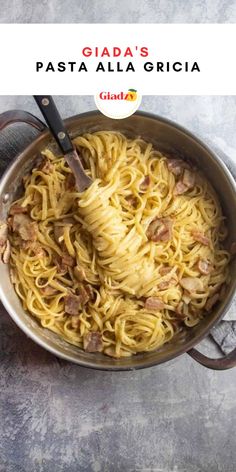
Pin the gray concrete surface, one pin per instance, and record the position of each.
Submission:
(178, 417)
(118, 11)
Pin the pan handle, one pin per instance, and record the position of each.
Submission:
(15, 116)
(223, 363)
(13, 139)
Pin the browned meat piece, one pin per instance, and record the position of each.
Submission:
(165, 270)
(89, 291)
(46, 166)
(145, 183)
(68, 221)
(70, 181)
(34, 246)
(204, 266)
(188, 179)
(48, 290)
(61, 268)
(166, 284)
(211, 301)
(16, 209)
(38, 250)
(73, 304)
(67, 260)
(79, 273)
(160, 229)
(131, 200)
(63, 262)
(6, 253)
(180, 188)
(154, 303)
(191, 284)
(3, 236)
(93, 342)
(200, 237)
(84, 293)
(75, 322)
(25, 227)
(58, 233)
(29, 233)
(176, 166)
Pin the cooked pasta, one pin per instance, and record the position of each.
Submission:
(123, 266)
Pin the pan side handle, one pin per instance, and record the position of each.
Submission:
(223, 363)
(18, 129)
(16, 116)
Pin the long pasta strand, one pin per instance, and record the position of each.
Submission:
(108, 240)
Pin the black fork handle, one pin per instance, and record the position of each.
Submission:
(53, 119)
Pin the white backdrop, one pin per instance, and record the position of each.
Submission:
(210, 45)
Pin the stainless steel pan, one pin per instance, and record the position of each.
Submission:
(165, 135)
